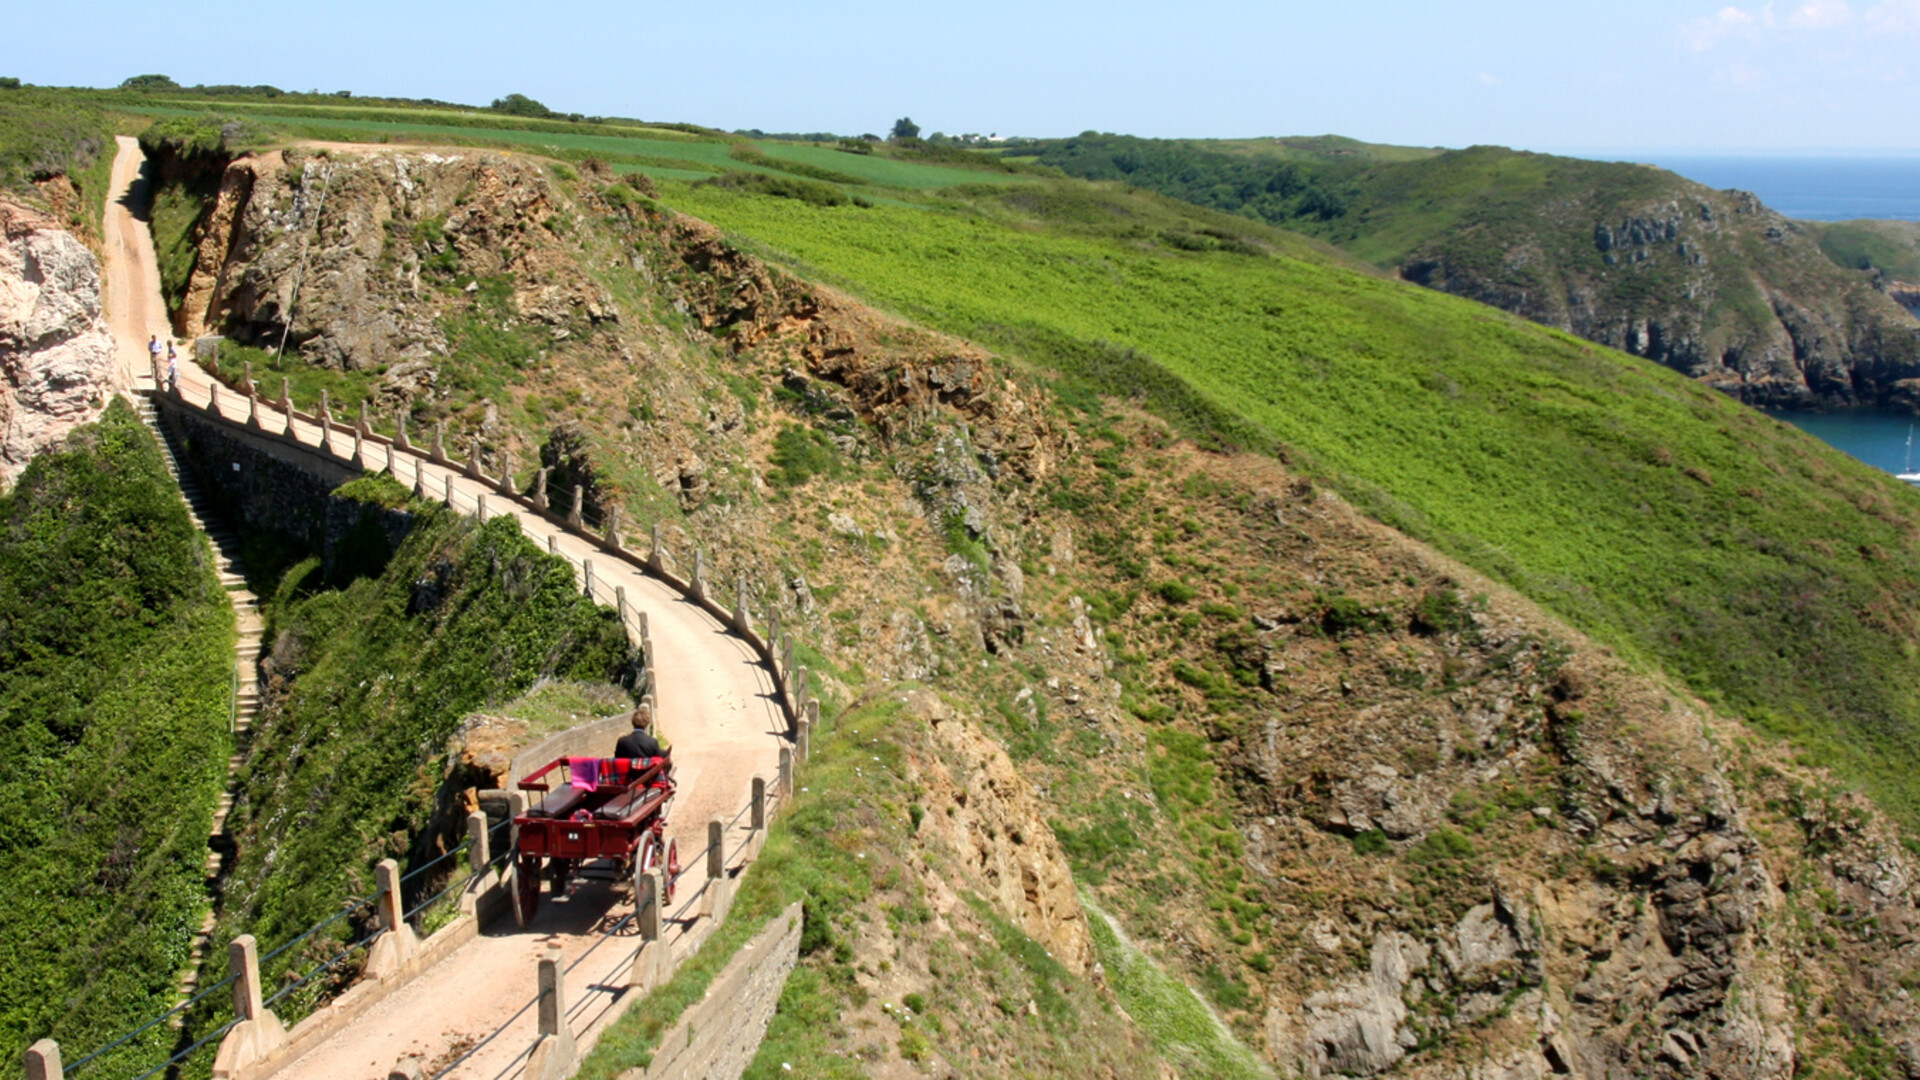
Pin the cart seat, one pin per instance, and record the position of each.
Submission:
(559, 803)
(623, 805)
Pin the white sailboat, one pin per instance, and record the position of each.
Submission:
(1907, 473)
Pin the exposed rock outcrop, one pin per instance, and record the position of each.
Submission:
(985, 815)
(350, 248)
(56, 354)
(1711, 283)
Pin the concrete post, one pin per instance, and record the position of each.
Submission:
(553, 1006)
(253, 411)
(326, 407)
(473, 461)
(657, 557)
(773, 642)
(506, 472)
(645, 634)
(449, 487)
(613, 527)
(243, 959)
(812, 714)
(620, 603)
(699, 582)
(387, 872)
(364, 430)
(419, 482)
(586, 573)
(480, 506)
(579, 498)
(758, 801)
(286, 401)
(246, 379)
(740, 605)
(540, 490)
(716, 849)
(43, 1061)
(801, 727)
(359, 446)
(400, 439)
(325, 415)
(553, 544)
(786, 772)
(799, 689)
(646, 902)
(479, 854)
(407, 1068)
(439, 453)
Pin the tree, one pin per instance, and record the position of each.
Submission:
(150, 82)
(519, 105)
(904, 128)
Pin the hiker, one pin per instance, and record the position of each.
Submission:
(153, 352)
(173, 366)
(640, 743)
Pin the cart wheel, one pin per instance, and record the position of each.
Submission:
(527, 884)
(648, 856)
(561, 870)
(673, 866)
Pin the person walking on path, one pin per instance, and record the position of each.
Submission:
(153, 353)
(173, 366)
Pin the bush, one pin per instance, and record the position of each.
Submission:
(1371, 842)
(799, 455)
(811, 192)
(1176, 592)
(1344, 615)
(115, 674)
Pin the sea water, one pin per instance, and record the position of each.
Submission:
(1877, 438)
(1812, 188)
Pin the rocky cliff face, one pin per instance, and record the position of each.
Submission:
(56, 354)
(329, 251)
(1712, 283)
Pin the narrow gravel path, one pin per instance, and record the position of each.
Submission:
(717, 706)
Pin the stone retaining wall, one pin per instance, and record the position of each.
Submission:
(718, 1038)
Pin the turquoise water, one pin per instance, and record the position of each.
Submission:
(1877, 438)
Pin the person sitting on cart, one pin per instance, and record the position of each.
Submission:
(640, 742)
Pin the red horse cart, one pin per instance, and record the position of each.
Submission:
(602, 818)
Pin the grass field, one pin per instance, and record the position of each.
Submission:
(1765, 569)
(660, 152)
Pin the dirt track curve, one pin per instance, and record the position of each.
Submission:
(717, 706)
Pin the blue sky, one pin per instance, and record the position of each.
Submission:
(1633, 75)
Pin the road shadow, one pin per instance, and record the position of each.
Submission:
(138, 198)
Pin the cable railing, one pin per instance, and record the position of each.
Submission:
(351, 907)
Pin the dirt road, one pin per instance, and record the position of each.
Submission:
(717, 706)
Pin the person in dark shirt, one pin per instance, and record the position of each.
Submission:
(639, 743)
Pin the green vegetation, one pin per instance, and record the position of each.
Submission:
(45, 133)
(800, 454)
(812, 192)
(1755, 563)
(115, 681)
(1891, 247)
(1177, 1021)
(350, 767)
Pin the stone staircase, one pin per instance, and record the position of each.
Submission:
(246, 669)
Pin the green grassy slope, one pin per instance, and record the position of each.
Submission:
(1892, 247)
(43, 133)
(115, 676)
(1767, 570)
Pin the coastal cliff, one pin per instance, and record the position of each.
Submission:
(56, 354)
